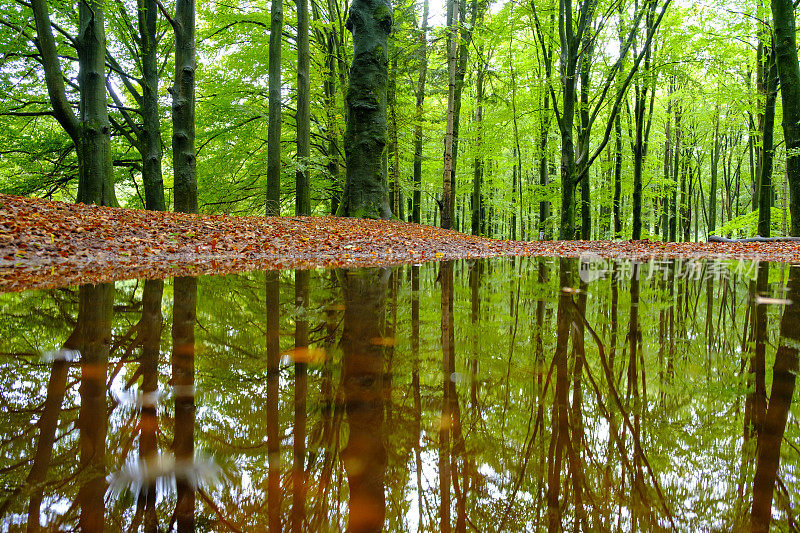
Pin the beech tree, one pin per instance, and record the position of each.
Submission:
(365, 195)
(90, 131)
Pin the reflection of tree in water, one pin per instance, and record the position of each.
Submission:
(364, 457)
(618, 403)
(94, 320)
(184, 313)
(770, 436)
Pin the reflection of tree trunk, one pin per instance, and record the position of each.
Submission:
(364, 457)
(634, 337)
(150, 332)
(453, 409)
(273, 378)
(574, 444)
(756, 402)
(301, 291)
(559, 417)
(416, 387)
(784, 373)
(475, 318)
(183, 321)
(446, 422)
(96, 309)
(539, 372)
(48, 423)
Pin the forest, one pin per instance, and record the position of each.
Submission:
(516, 120)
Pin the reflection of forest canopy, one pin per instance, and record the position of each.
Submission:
(616, 402)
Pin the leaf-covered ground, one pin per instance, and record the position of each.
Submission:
(49, 244)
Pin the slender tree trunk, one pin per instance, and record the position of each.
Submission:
(302, 185)
(448, 192)
(274, 463)
(184, 160)
(301, 295)
(767, 148)
(273, 202)
(329, 89)
(477, 179)
(184, 313)
(712, 196)
(640, 144)
(423, 72)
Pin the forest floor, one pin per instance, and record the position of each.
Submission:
(46, 244)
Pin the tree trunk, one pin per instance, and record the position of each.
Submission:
(370, 22)
(477, 179)
(423, 72)
(184, 160)
(448, 194)
(150, 133)
(302, 193)
(786, 58)
(767, 150)
(273, 202)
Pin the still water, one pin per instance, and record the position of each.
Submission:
(501, 395)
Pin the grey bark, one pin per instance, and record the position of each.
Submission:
(184, 162)
(150, 132)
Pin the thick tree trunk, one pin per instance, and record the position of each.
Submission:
(273, 201)
(370, 22)
(184, 160)
(302, 193)
(96, 180)
(785, 49)
(150, 133)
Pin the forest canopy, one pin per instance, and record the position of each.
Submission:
(524, 120)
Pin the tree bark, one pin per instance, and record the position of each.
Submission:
(184, 162)
(302, 193)
(448, 194)
(370, 22)
(767, 148)
(150, 132)
(273, 202)
(785, 49)
(90, 131)
(416, 206)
